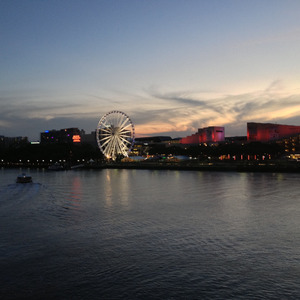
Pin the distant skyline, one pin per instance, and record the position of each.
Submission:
(173, 66)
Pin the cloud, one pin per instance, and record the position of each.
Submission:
(5, 124)
(200, 100)
(21, 115)
(275, 86)
(193, 109)
(175, 113)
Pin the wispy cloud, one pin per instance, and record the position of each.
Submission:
(193, 110)
(174, 113)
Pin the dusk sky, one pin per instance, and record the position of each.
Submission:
(172, 65)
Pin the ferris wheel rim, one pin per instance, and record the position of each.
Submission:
(115, 134)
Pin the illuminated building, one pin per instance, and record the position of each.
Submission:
(265, 132)
(291, 145)
(212, 134)
(62, 136)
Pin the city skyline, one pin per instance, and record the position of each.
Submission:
(172, 66)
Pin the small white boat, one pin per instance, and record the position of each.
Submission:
(23, 178)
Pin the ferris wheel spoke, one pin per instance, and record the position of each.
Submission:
(122, 144)
(109, 149)
(124, 140)
(105, 138)
(116, 147)
(120, 119)
(106, 129)
(123, 149)
(107, 142)
(122, 130)
(126, 133)
(105, 134)
(107, 153)
(122, 125)
(126, 125)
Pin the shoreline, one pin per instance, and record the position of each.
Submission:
(272, 166)
(224, 167)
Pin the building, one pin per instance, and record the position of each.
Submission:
(151, 140)
(240, 140)
(291, 144)
(89, 138)
(142, 145)
(6, 142)
(266, 132)
(62, 136)
(212, 134)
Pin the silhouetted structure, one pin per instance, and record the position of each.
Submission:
(18, 141)
(89, 138)
(152, 139)
(212, 134)
(236, 139)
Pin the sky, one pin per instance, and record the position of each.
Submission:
(172, 66)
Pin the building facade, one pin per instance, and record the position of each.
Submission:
(6, 142)
(212, 134)
(62, 136)
(266, 132)
(89, 138)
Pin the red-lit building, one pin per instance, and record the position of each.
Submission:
(265, 132)
(212, 134)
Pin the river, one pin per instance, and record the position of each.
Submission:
(149, 234)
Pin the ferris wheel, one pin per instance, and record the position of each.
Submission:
(115, 134)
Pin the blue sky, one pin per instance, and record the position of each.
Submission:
(172, 66)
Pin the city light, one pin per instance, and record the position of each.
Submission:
(76, 139)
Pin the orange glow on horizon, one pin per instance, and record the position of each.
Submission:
(156, 129)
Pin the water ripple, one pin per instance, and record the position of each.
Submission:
(128, 234)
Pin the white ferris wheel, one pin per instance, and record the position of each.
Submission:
(115, 134)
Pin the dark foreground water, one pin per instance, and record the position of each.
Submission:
(139, 234)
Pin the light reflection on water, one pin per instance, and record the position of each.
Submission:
(131, 234)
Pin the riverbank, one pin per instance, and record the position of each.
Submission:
(216, 166)
(245, 166)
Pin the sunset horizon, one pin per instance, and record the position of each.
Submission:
(172, 66)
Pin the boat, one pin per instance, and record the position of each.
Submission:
(23, 178)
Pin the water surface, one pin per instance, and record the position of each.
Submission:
(149, 234)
